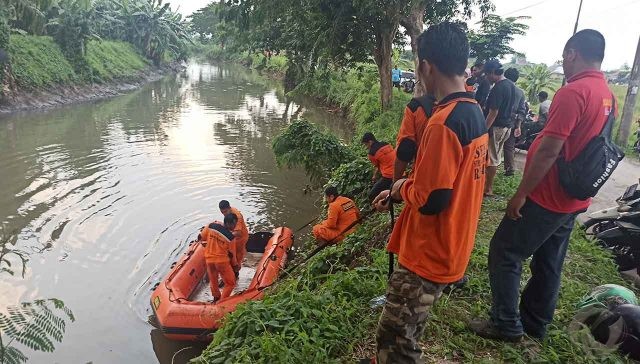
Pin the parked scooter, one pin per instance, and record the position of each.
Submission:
(628, 208)
(408, 81)
(618, 230)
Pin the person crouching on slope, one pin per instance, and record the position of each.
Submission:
(241, 232)
(383, 157)
(220, 255)
(342, 213)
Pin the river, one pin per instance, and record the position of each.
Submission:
(104, 196)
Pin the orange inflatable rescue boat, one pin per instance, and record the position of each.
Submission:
(178, 313)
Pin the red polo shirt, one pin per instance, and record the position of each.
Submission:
(578, 113)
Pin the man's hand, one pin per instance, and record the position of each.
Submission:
(517, 132)
(381, 203)
(395, 189)
(514, 206)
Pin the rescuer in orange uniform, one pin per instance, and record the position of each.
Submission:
(435, 232)
(383, 157)
(241, 232)
(220, 255)
(342, 213)
(414, 121)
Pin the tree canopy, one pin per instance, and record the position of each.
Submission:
(318, 33)
(495, 36)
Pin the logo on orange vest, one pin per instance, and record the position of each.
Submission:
(156, 302)
(480, 161)
(348, 206)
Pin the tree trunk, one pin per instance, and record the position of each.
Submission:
(414, 24)
(630, 101)
(382, 57)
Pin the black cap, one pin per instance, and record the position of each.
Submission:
(492, 65)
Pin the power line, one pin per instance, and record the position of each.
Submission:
(525, 8)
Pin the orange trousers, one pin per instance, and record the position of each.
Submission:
(241, 251)
(225, 271)
(321, 232)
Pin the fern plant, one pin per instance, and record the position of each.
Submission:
(7, 250)
(35, 325)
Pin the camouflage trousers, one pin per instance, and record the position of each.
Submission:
(409, 299)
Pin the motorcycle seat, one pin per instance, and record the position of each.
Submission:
(630, 227)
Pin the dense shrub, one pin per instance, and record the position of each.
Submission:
(302, 144)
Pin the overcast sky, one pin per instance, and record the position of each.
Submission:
(551, 24)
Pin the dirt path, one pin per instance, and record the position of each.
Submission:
(627, 173)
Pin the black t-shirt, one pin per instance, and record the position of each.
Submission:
(481, 88)
(502, 98)
(483, 91)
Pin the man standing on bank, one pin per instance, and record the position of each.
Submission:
(540, 216)
(498, 112)
(434, 235)
(517, 117)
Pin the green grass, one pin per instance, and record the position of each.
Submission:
(109, 60)
(321, 314)
(37, 62)
(586, 266)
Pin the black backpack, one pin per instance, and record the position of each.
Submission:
(583, 176)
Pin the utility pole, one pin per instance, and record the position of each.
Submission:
(630, 102)
(575, 29)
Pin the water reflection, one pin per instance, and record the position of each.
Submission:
(108, 194)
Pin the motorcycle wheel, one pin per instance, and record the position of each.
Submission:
(599, 227)
(622, 255)
(589, 223)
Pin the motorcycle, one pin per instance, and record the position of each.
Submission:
(530, 130)
(628, 209)
(408, 81)
(618, 229)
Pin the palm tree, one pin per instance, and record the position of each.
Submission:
(149, 24)
(535, 79)
(26, 15)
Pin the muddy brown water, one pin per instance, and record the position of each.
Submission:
(105, 195)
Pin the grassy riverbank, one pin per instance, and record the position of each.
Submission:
(38, 62)
(40, 75)
(322, 314)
